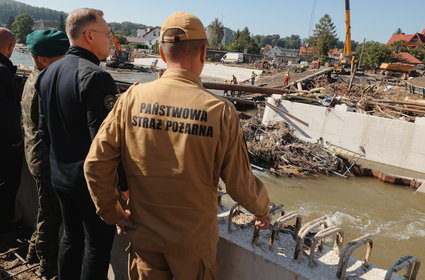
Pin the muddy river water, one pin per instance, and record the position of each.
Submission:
(393, 214)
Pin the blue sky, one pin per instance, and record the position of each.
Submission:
(371, 19)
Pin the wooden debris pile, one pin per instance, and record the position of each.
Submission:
(276, 147)
(383, 98)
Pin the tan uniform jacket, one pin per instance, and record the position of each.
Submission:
(175, 140)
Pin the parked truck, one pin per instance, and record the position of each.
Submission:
(232, 58)
(390, 69)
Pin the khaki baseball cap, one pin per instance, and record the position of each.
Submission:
(187, 22)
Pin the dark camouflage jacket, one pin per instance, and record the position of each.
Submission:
(36, 152)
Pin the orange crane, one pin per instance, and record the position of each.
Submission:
(347, 47)
(347, 56)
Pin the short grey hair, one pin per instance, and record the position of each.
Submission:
(79, 19)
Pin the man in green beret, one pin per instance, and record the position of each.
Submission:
(45, 47)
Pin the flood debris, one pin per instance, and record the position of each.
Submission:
(275, 147)
(373, 95)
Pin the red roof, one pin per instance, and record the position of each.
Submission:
(304, 50)
(407, 58)
(408, 38)
(335, 52)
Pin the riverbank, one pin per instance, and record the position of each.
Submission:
(212, 72)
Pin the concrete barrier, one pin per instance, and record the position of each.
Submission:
(421, 189)
(386, 143)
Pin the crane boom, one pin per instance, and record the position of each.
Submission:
(347, 47)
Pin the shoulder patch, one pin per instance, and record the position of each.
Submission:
(109, 101)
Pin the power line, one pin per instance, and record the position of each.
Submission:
(313, 15)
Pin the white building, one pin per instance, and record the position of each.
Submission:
(141, 32)
(152, 36)
(283, 55)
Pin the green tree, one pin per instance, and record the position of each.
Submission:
(398, 31)
(340, 45)
(354, 45)
(155, 48)
(217, 33)
(399, 46)
(290, 42)
(126, 31)
(10, 22)
(130, 28)
(374, 54)
(243, 41)
(324, 37)
(418, 52)
(121, 38)
(263, 41)
(61, 23)
(22, 26)
(14, 8)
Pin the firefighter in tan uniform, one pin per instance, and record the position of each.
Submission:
(175, 140)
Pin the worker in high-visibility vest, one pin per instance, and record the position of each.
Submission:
(253, 76)
(286, 78)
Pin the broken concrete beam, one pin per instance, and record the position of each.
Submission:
(243, 89)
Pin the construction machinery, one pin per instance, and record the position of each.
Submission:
(120, 58)
(346, 60)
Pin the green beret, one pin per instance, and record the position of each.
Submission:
(47, 43)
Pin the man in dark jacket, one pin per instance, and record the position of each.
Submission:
(76, 95)
(11, 150)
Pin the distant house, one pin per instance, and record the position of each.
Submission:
(152, 36)
(44, 24)
(405, 57)
(283, 55)
(266, 48)
(135, 40)
(305, 50)
(412, 40)
(335, 54)
(141, 32)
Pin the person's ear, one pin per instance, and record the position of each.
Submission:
(162, 54)
(88, 36)
(10, 48)
(203, 53)
(44, 61)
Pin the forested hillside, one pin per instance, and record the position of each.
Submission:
(10, 8)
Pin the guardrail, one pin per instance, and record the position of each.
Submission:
(348, 250)
(409, 262)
